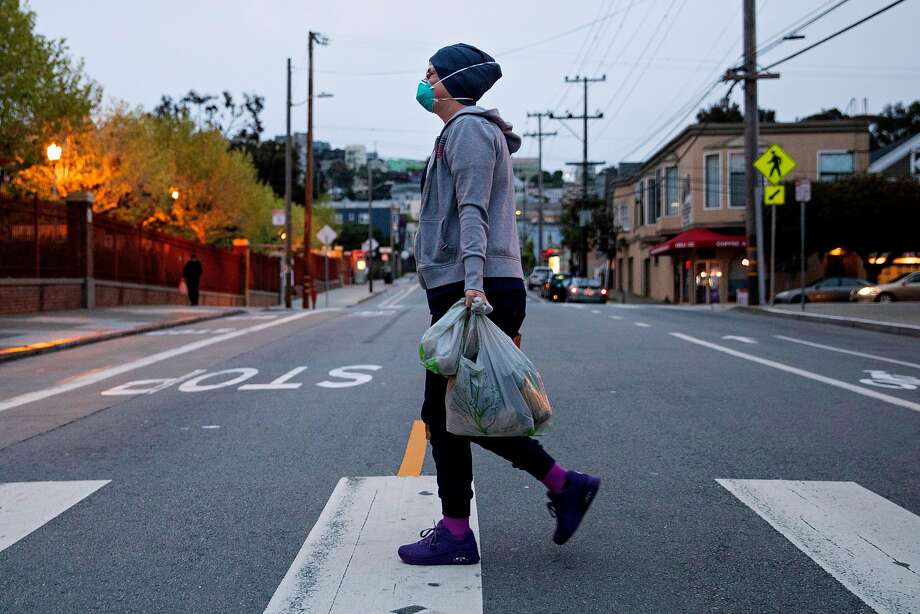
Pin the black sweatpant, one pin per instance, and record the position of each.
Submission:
(452, 456)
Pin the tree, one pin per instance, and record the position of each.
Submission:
(826, 115)
(528, 260)
(720, 114)
(42, 91)
(221, 113)
(855, 214)
(353, 235)
(895, 122)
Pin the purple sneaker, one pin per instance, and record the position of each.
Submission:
(438, 546)
(569, 506)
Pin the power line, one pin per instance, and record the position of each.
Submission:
(834, 35)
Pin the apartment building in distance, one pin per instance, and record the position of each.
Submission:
(682, 212)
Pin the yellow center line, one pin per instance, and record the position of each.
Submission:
(415, 451)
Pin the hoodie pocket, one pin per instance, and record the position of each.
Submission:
(434, 248)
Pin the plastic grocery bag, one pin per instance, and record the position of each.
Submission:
(497, 391)
(441, 344)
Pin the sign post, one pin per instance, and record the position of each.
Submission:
(803, 195)
(774, 164)
(327, 236)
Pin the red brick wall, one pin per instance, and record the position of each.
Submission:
(45, 297)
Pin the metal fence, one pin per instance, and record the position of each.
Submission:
(41, 240)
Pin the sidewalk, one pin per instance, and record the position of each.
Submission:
(349, 296)
(35, 333)
(897, 318)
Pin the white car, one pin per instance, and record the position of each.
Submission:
(538, 277)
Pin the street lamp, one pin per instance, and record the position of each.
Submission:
(174, 194)
(54, 154)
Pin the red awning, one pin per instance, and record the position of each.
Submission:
(698, 237)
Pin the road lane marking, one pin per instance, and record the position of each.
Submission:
(26, 506)
(348, 563)
(354, 379)
(747, 340)
(831, 348)
(98, 376)
(866, 542)
(240, 375)
(643, 325)
(392, 302)
(803, 373)
(616, 317)
(595, 311)
(149, 386)
(416, 447)
(279, 383)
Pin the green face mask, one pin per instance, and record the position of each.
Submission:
(424, 94)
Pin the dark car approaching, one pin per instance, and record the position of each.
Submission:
(830, 289)
(585, 290)
(555, 287)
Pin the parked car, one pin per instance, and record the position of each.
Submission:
(829, 289)
(555, 287)
(538, 277)
(585, 290)
(904, 288)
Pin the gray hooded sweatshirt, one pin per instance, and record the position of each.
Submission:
(467, 224)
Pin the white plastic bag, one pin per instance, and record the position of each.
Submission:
(439, 350)
(497, 391)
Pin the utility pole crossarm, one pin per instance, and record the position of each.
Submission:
(539, 134)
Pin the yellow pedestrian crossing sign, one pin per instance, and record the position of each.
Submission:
(775, 164)
(774, 195)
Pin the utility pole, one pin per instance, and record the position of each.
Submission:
(584, 212)
(319, 39)
(288, 256)
(540, 134)
(754, 215)
(370, 229)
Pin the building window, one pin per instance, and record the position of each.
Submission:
(659, 185)
(736, 196)
(623, 217)
(640, 210)
(835, 165)
(651, 192)
(713, 181)
(363, 218)
(671, 191)
(338, 218)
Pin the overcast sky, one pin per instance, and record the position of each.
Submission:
(658, 55)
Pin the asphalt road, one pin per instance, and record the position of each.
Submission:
(210, 484)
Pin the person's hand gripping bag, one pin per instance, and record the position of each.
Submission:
(497, 391)
(439, 350)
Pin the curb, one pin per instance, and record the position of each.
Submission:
(884, 327)
(53, 346)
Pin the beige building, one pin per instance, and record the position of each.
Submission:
(682, 214)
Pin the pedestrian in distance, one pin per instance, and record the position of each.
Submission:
(191, 273)
(467, 248)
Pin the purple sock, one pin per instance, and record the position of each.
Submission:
(457, 526)
(555, 478)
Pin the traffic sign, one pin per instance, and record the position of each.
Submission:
(373, 245)
(326, 235)
(774, 195)
(775, 164)
(803, 190)
(277, 217)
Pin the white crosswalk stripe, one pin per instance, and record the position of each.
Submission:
(869, 544)
(26, 506)
(349, 564)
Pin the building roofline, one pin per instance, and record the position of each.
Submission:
(693, 130)
(895, 154)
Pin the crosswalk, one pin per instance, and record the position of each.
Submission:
(869, 544)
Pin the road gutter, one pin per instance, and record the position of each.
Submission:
(876, 325)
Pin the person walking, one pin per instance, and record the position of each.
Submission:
(467, 248)
(191, 273)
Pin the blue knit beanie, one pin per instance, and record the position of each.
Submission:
(471, 83)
